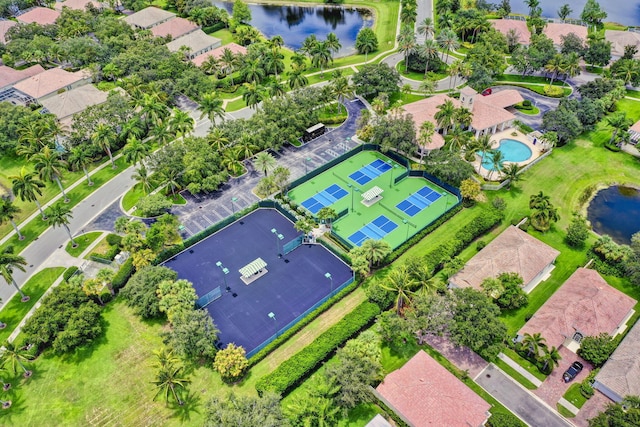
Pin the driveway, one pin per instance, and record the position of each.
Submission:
(544, 103)
(553, 388)
(518, 400)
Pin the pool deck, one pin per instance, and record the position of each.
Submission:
(511, 133)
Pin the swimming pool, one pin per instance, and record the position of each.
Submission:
(512, 151)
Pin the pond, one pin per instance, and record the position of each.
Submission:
(295, 23)
(616, 211)
(626, 12)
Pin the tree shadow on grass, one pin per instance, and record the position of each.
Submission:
(84, 352)
(192, 405)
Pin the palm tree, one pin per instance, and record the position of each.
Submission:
(298, 60)
(366, 42)
(406, 44)
(619, 122)
(448, 40)
(512, 173)
(134, 127)
(180, 122)
(264, 162)
(245, 147)
(534, 343)
(16, 357)
(333, 43)
(8, 211)
(275, 88)
(375, 251)
(153, 109)
(327, 214)
(427, 51)
(462, 117)
(538, 200)
(572, 65)
(427, 130)
(321, 56)
(217, 139)
(497, 159)
(297, 79)
(253, 71)
(550, 357)
(59, 215)
(211, 106)
(341, 89)
(274, 62)
(426, 27)
(143, 178)
(169, 377)
(484, 146)
(308, 44)
(454, 70)
(427, 86)
(27, 187)
(444, 116)
(544, 213)
(555, 66)
(400, 282)
(49, 166)
(211, 66)
(5, 386)
(79, 158)
(162, 133)
(135, 151)
(229, 61)
(457, 139)
(253, 94)
(104, 136)
(8, 262)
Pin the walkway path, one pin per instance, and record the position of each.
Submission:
(519, 369)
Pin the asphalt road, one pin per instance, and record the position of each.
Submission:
(522, 403)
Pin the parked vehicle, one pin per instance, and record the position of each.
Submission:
(572, 372)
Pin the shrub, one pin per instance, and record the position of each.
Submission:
(69, 272)
(153, 205)
(501, 419)
(292, 371)
(597, 349)
(114, 239)
(121, 277)
(553, 91)
(140, 292)
(499, 203)
(481, 245)
(577, 232)
(526, 103)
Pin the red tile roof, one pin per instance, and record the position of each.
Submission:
(9, 76)
(504, 25)
(4, 27)
(76, 4)
(586, 303)
(556, 31)
(426, 394)
(39, 15)
(48, 82)
(174, 27)
(513, 251)
(217, 52)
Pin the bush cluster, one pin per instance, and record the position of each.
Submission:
(69, 272)
(291, 372)
(121, 277)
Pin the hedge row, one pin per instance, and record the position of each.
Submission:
(122, 276)
(69, 272)
(294, 370)
(483, 222)
(301, 324)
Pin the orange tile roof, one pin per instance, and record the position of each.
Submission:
(504, 25)
(174, 27)
(39, 15)
(76, 4)
(635, 127)
(217, 52)
(502, 99)
(4, 27)
(586, 303)
(513, 251)
(426, 394)
(9, 76)
(556, 31)
(49, 81)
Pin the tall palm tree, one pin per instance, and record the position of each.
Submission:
(427, 130)
(79, 158)
(406, 44)
(275, 88)
(341, 89)
(448, 40)
(134, 127)
(308, 44)
(49, 166)
(454, 70)
(457, 139)
(427, 86)
(534, 343)
(512, 173)
(143, 177)
(9, 262)
(211, 66)
(427, 51)
(555, 66)
(211, 106)
(618, 122)
(538, 200)
(8, 211)
(59, 215)
(27, 187)
(544, 213)
(375, 251)
(484, 146)
(400, 282)
(153, 109)
(444, 115)
(180, 122)
(426, 27)
(135, 151)
(104, 136)
(162, 134)
(497, 160)
(244, 147)
(298, 59)
(264, 162)
(169, 378)
(333, 43)
(297, 79)
(229, 61)
(462, 117)
(321, 56)
(5, 386)
(217, 139)
(550, 357)
(253, 94)
(253, 70)
(16, 357)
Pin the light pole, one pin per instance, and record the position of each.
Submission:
(353, 190)
(391, 180)
(233, 208)
(278, 238)
(225, 271)
(446, 204)
(275, 323)
(306, 162)
(406, 222)
(328, 276)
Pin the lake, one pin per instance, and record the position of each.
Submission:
(625, 12)
(616, 211)
(295, 23)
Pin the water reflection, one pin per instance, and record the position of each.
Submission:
(616, 211)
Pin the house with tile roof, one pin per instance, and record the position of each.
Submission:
(51, 82)
(77, 4)
(5, 24)
(64, 105)
(196, 42)
(148, 17)
(423, 393)
(554, 30)
(620, 39)
(620, 375)
(585, 305)
(236, 49)
(513, 251)
(175, 27)
(520, 27)
(10, 76)
(39, 15)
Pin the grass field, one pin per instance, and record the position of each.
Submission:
(83, 242)
(393, 194)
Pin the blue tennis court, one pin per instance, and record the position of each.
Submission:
(418, 201)
(376, 230)
(324, 198)
(370, 171)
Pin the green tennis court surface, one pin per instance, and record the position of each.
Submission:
(397, 212)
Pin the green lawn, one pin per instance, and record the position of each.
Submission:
(419, 76)
(564, 411)
(393, 194)
(524, 363)
(132, 197)
(14, 310)
(534, 87)
(515, 375)
(83, 242)
(573, 396)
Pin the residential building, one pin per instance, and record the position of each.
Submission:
(39, 15)
(175, 27)
(148, 17)
(5, 24)
(620, 39)
(77, 4)
(10, 76)
(196, 42)
(236, 49)
(553, 30)
(64, 105)
(51, 82)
